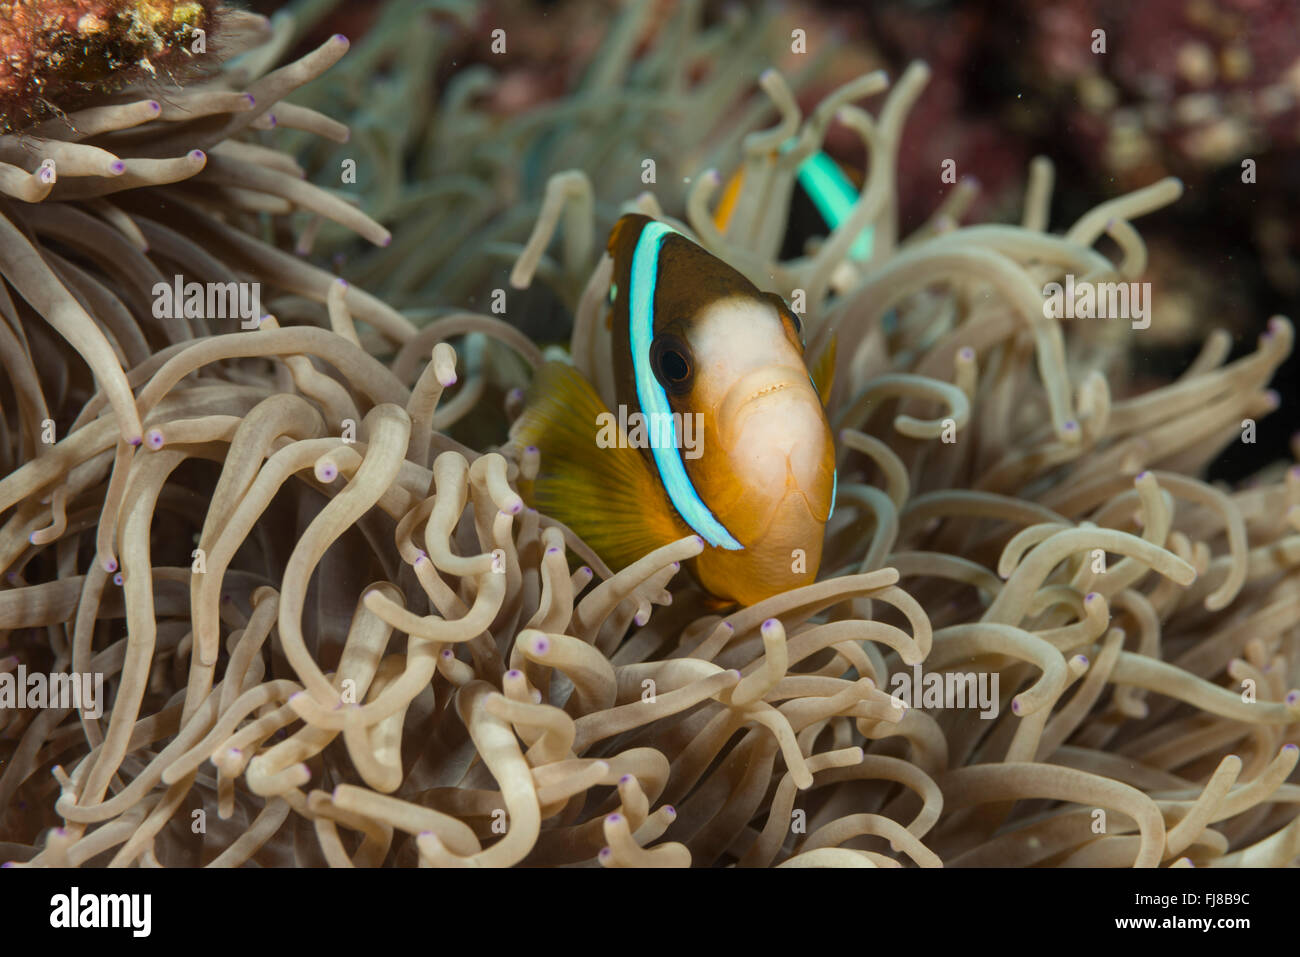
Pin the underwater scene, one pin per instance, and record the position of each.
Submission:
(649, 434)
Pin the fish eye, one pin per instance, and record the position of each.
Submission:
(671, 360)
(674, 365)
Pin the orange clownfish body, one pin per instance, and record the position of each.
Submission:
(720, 430)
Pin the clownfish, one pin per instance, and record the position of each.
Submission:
(721, 431)
(823, 198)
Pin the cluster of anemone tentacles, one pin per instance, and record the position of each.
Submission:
(338, 634)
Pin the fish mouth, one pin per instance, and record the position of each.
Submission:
(761, 384)
(768, 390)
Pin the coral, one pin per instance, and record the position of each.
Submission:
(56, 56)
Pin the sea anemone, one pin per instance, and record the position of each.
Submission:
(457, 160)
(341, 630)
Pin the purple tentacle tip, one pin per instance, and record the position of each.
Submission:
(198, 154)
(340, 38)
(1015, 705)
(512, 674)
(624, 779)
(1071, 425)
(252, 100)
(118, 167)
(553, 550)
(110, 564)
(614, 818)
(117, 579)
(155, 106)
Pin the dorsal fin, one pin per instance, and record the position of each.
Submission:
(727, 204)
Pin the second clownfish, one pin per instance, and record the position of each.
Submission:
(823, 197)
(720, 429)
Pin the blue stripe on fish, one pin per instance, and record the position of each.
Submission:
(834, 197)
(654, 399)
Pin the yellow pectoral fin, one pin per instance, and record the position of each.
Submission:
(588, 477)
(823, 370)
